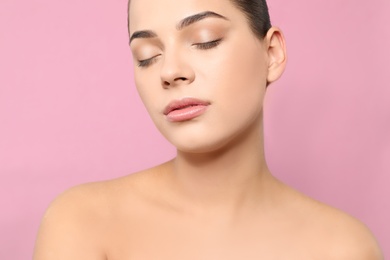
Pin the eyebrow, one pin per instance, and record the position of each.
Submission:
(180, 26)
(142, 34)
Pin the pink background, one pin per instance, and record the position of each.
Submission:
(69, 112)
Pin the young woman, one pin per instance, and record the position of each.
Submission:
(202, 68)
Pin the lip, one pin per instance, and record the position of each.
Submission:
(185, 109)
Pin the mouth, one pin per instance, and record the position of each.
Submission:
(185, 109)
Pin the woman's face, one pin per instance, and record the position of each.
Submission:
(199, 69)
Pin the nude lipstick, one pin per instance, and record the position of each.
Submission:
(185, 109)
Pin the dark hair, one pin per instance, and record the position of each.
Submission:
(256, 12)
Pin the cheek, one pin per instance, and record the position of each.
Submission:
(242, 82)
(150, 92)
(142, 91)
(242, 76)
(146, 92)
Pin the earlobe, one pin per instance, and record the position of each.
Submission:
(277, 54)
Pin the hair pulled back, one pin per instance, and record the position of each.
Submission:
(256, 12)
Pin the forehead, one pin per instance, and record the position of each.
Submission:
(151, 14)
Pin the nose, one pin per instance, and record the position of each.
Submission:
(176, 70)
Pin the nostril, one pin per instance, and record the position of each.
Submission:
(181, 78)
(174, 81)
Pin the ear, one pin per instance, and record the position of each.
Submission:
(277, 54)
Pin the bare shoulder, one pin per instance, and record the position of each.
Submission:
(68, 229)
(76, 224)
(351, 239)
(337, 234)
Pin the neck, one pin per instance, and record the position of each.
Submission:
(226, 179)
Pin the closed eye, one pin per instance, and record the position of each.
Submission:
(208, 45)
(201, 46)
(147, 62)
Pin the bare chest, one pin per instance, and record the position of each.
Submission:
(171, 241)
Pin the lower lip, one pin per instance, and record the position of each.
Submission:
(186, 114)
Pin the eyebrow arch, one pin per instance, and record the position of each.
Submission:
(142, 34)
(196, 18)
(180, 26)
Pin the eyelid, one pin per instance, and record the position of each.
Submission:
(147, 62)
(208, 44)
(202, 46)
(145, 48)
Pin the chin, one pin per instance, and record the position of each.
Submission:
(198, 149)
(199, 145)
(207, 136)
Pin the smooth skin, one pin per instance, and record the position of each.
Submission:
(217, 198)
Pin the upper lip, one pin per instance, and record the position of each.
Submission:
(185, 102)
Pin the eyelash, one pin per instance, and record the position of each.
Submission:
(201, 46)
(147, 62)
(208, 45)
